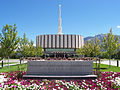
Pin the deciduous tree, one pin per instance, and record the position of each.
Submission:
(110, 43)
(9, 40)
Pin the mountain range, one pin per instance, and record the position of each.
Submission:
(100, 36)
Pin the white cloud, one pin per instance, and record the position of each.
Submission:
(118, 26)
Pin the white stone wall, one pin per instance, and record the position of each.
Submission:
(46, 41)
(76, 41)
(73, 41)
(57, 41)
(79, 41)
(65, 42)
(60, 41)
(82, 41)
(42, 42)
(69, 41)
(53, 41)
(49, 45)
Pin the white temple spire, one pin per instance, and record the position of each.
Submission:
(59, 27)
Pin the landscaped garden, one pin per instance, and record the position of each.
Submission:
(107, 81)
(12, 79)
(21, 48)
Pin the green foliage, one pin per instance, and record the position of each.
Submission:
(39, 51)
(79, 51)
(110, 44)
(31, 49)
(23, 49)
(117, 55)
(9, 39)
(105, 55)
(92, 48)
(27, 49)
(86, 48)
(95, 47)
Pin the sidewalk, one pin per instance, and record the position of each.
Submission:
(113, 62)
(17, 63)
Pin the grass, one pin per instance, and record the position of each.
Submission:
(107, 69)
(24, 68)
(110, 59)
(7, 63)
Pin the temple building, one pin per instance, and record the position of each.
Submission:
(60, 45)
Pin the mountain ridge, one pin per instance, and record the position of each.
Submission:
(99, 36)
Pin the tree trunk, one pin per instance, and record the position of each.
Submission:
(99, 64)
(20, 60)
(2, 63)
(117, 63)
(96, 64)
(109, 62)
(8, 62)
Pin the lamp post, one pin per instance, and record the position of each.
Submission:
(118, 60)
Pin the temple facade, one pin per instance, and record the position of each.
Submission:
(60, 45)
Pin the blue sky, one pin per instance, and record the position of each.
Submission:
(84, 17)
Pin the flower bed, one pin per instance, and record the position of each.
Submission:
(109, 81)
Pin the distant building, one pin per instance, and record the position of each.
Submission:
(60, 45)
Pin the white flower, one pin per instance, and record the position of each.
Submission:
(117, 81)
(56, 85)
(2, 79)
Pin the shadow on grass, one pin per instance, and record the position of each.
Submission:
(101, 68)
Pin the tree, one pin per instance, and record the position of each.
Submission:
(39, 51)
(79, 51)
(31, 49)
(96, 47)
(110, 43)
(27, 49)
(86, 49)
(2, 56)
(9, 40)
(96, 51)
(117, 55)
(23, 49)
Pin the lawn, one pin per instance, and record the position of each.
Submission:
(23, 67)
(7, 63)
(106, 68)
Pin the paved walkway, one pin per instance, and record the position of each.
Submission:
(15, 62)
(113, 62)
